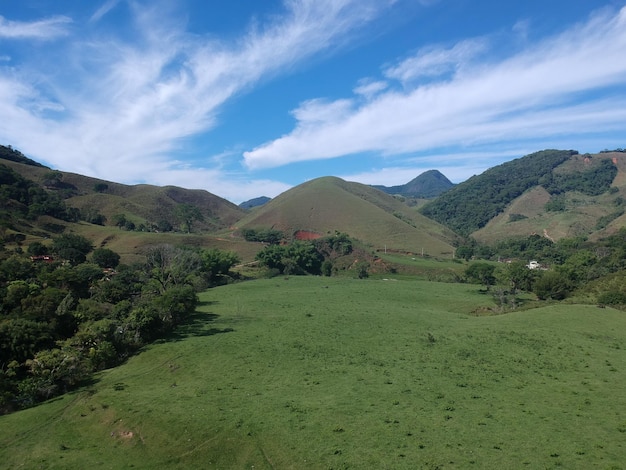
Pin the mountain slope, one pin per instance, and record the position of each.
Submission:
(330, 204)
(557, 193)
(428, 185)
(141, 204)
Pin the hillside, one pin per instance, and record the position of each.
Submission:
(330, 204)
(141, 204)
(428, 185)
(322, 373)
(556, 193)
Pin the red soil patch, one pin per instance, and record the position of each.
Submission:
(304, 235)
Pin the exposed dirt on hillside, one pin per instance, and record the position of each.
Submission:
(303, 235)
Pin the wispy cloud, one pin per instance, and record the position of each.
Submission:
(48, 28)
(116, 109)
(434, 61)
(563, 85)
(103, 10)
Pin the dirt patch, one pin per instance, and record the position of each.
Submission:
(123, 434)
(304, 235)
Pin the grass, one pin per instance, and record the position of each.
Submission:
(345, 373)
(324, 205)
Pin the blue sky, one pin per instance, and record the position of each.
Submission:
(250, 98)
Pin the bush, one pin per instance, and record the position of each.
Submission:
(552, 285)
(612, 298)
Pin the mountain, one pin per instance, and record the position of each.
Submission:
(554, 193)
(142, 204)
(329, 204)
(428, 185)
(39, 203)
(256, 202)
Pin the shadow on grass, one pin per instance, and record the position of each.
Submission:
(198, 324)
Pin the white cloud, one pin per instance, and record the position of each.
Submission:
(560, 86)
(116, 110)
(42, 29)
(369, 88)
(435, 61)
(103, 10)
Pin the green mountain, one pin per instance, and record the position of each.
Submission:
(146, 205)
(556, 193)
(256, 202)
(428, 185)
(38, 203)
(330, 204)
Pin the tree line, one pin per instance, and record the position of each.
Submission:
(571, 265)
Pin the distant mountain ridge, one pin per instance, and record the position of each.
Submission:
(427, 185)
(256, 202)
(553, 193)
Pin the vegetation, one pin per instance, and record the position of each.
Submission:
(344, 373)
(385, 367)
(569, 265)
(271, 236)
(63, 316)
(470, 205)
(9, 153)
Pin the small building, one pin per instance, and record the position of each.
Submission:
(533, 265)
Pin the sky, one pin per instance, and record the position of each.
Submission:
(249, 98)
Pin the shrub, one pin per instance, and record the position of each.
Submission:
(612, 298)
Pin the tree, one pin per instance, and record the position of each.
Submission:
(170, 266)
(465, 252)
(100, 187)
(71, 247)
(188, 214)
(175, 304)
(272, 257)
(271, 236)
(164, 226)
(216, 263)
(105, 258)
(37, 249)
(297, 258)
(552, 285)
(517, 276)
(482, 273)
(52, 178)
(16, 268)
(119, 220)
(362, 269)
(327, 268)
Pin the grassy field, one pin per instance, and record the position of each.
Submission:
(327, 373)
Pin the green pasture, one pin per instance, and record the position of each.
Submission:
(321, 373)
